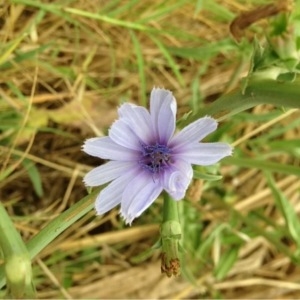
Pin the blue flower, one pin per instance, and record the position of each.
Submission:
(146, 156)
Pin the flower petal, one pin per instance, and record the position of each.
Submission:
(139, 195)
(177, 179)
(163, 109)
(194, 132)
(111, 196)
(138, 119)
(105, 148)
(205, 154)
(107, 172)
(123, 135)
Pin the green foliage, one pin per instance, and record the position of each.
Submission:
(101, 54)
(34, 175)
(287, 211)
(226, 262)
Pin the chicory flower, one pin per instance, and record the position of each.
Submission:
(145, 156)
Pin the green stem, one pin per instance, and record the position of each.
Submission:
(170, 209)
(17, 263)
(263, 91)
(55, 228)
(170, 237)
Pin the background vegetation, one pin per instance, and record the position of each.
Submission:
(65, 67)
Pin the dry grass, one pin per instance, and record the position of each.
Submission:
(69, 90)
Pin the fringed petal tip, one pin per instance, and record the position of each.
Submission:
(160, 89)
(97, 213)
(127, 219)
(85, 182)
(84, 146)
(89, 145)
(227, 149)
(207, 117)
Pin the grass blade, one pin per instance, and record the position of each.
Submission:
(173, 65)
(141, 67)
(34, 176)
(226, 262)
(286, 209)
(262, 165)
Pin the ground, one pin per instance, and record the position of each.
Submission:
(66, 66)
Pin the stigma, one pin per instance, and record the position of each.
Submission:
(154, 158)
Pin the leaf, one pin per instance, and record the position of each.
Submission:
(208, 177)
(286, 209)
(226, 262)
(263, 91)
(262, 165)
(34, 176)
(140, 65)
(205, 52)
(172, 63)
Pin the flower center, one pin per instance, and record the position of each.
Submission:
(155, 157)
